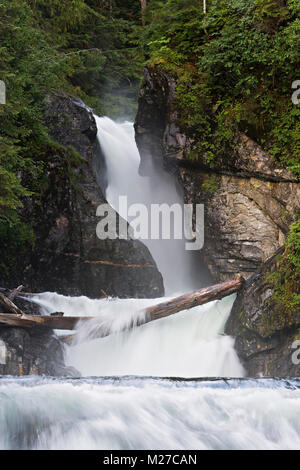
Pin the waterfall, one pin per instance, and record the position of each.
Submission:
(122, 161)
(188, 344)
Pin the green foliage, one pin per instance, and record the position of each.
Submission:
(210, 185)
(79, 46)
(101, 44)
(285, 283)
(234, 67)
(30, 67)
(271, 13)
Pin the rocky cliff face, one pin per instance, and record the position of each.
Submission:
(68, 257)
(157, 135)
(249, 200)
(267, 340)
(249, 204)
(32, 352)
(246, 218)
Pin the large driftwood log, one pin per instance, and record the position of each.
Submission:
(48, 321)
(163, 309)
(184, 302)
(15, 293)
(187, 301)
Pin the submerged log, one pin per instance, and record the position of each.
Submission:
(68, 339)
(155, 312)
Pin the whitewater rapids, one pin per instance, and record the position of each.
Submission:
(142, 413)
(188, 344)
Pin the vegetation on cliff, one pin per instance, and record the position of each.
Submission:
(285, 284)
(83, 47)
(234, 66)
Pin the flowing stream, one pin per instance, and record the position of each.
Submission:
(158, 386)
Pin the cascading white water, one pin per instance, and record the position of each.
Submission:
(133, 413)
(188, 344)
(122, 160)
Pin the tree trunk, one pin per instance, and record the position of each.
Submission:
(184, 302)
(187, 301)
(143, 9)
(9, 305)
(48, 321)
(15, 293)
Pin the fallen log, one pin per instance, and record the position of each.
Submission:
(15, 293)
(152, 313)
(48, 321)
(9, 305)
(187, 301)
(10, 319)
(17, 317)
(19, 294)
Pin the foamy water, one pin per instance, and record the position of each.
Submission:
(139, 413)
(188, 344)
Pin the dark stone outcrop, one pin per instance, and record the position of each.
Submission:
(68, 257)
(33, 351)
(154, 111)
(264, 339)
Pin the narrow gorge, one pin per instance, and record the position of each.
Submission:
(149, 226)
